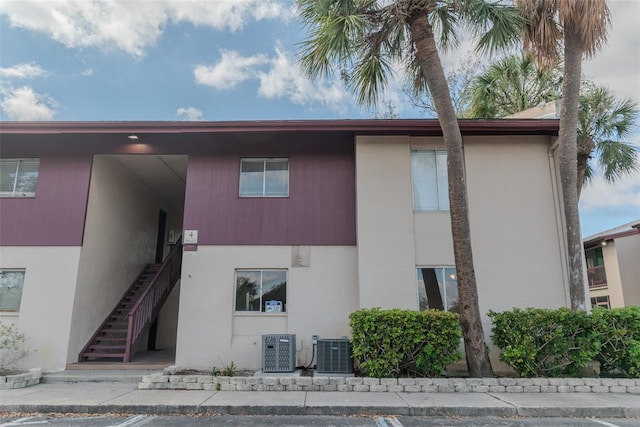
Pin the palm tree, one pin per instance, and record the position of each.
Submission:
(513, 84)
(459, 80)
(603, 123)
(581, 28)
(363, 40)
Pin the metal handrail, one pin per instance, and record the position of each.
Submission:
(597, 276)
(154, 295)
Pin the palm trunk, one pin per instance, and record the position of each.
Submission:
(582, 168)
(568, 165)
(474, 343)
(585, 148)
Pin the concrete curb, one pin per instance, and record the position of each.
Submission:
(339, 410)
(274, 410)
(329, 410)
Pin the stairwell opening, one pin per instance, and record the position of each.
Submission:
(134, 217)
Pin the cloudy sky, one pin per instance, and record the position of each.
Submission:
(227, 60)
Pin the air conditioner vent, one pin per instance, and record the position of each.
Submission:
(334, 357)
(278, 353)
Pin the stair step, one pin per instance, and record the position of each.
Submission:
(113, 331)
(106, 347)
(102, 355)
(111, 339)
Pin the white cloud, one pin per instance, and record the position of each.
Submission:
(189, 113)
(278, 76)
(229, 71)
(88, 72)
(22, 71)
(132, 26)
(625, 192)
(25, 104)
(617, 64)
(286, 79)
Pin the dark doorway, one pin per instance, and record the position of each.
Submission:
(162, 225)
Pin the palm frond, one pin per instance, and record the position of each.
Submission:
(617, 158)
(444, 20)
(499, 25)
(589, 19)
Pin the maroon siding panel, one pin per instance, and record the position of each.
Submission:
(55, 217)
(320, 209)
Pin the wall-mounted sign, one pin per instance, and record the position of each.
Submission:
(273, 306)
(190, 237)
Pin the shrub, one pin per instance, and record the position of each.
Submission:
(394, 343)
(11, 348)
(618, 331)
(540, 342)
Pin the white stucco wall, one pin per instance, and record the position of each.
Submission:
(386, 247)
(515, 223)
(119, 239)
(612, 269)
(319, 300)
(516, 237)
(47, 297)
(628, 249)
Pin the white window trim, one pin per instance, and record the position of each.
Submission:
(440, 209)
(260, 312)
(14, 312)
(13, 194)
(444, 288)
(264, 178)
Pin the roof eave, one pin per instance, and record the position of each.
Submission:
(429, 127)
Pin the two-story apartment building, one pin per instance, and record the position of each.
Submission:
(613, 266)
(287, 227)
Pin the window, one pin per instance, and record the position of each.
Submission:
(261, 290)
(438, 288)
(18, 177)
(264, 177)
(429, 177)
(11, 282)
(602, 302)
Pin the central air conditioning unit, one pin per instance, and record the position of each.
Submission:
(334, 357)
(278, 353)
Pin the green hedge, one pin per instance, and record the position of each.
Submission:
(395, 343)
(619, 335)
(542, 342)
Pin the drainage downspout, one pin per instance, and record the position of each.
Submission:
(562, 251)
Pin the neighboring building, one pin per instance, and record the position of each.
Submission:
(613, 266)
(289, 226)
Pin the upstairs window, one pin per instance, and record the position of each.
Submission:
(18, 177)
(264, 177)
(429, 178)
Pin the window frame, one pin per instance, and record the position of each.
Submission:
(264, 160)
(22, 194)
(601, 301)
(262, 306)
(441, 177)
(445, 300)
(24, 275)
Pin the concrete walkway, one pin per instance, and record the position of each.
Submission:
(123, 397)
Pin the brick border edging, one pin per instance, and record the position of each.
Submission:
(162, 381)
(22, 380)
